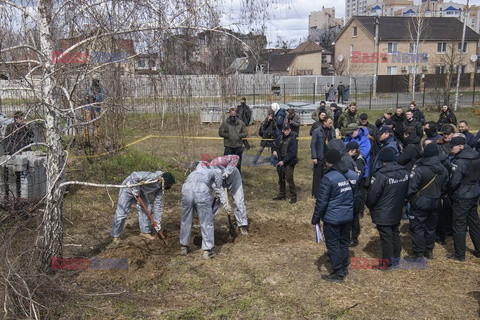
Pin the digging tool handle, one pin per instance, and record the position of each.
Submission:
(232, 229)
(155, 225)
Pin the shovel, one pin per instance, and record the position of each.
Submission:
(232, 228)
(155, 225)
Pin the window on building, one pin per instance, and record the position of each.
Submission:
(151, 63)
(392, 47)
(141, 63)
(462, 69)
(391, 70)
(411, 48)
(304, 72)
(412, 69)
(354, 31)
(441, 47)
(459, 46)
(440, 69)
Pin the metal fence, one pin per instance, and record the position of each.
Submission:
(166, 93)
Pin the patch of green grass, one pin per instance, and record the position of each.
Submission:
(115, 168)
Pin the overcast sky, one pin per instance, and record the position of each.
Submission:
(291, 21)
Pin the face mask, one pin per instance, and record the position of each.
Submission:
(231, 118)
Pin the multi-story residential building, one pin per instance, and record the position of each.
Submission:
(439, 49)
(324, 19)
(323, 27)
(355, 8)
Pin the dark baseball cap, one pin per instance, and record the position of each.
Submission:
(352, 145)
(446, 128)
(363, 116)
(286, 126)
(384, 129)
(457, 141)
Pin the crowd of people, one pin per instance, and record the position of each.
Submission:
(402, 166)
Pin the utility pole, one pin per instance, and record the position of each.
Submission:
(375, 75)
(459, 69)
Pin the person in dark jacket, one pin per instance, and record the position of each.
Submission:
(463, 128)
(446, 116)
(477, 141)
(233, 130)
(444, 224)
(268, 130)
(354, 151)
(411, 148)
(337, 111)
(286, 149)
(341, 91)
(321, 117)
(464, 189)
(18, 134)
(428, 181)
(411, 122)
(431, 131)
(293, 120)
(417, 114)
(381, 121)
(385, 197)
(318, 147)
(398, 120)
(279, 116)
(386, 139)
(363, 121)
(334, 206)
(339, 145)
(360, 135)
(448, 131)
(244, 113)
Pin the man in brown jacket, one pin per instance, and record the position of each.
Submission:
(233, 130)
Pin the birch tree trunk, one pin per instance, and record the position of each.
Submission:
(53, 215)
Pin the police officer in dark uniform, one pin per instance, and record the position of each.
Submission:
(354, 151)
(286, 149)
(464, 191)
(444, 224)
(335, 201)
(411, 148)
(385, 196)
(428, 181)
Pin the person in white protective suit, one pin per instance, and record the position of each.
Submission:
(127, 197)
(198, 193)
(232, 180)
